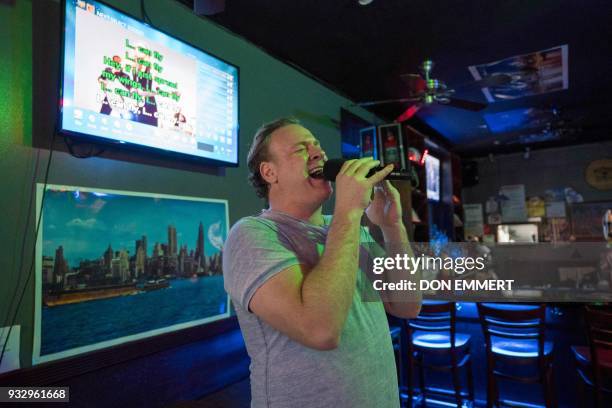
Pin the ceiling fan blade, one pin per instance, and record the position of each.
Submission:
(384, 101)
(465, 104)
(408, 113)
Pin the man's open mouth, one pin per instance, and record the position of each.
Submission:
(316, 173)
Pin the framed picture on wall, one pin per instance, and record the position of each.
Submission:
(588, 220)
(368, 144)
(116, 266)
(391, 145)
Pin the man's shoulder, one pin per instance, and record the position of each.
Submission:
(250, 226)
(252, 222)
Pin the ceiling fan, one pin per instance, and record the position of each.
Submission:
(425, 90)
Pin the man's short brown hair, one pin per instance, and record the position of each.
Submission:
(259, 153)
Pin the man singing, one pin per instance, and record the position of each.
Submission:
(296, 277)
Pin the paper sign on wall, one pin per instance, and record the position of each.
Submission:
(513, 203)
(555, 209)
(473, 220)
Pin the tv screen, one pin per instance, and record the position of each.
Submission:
(124, 81)
(432, 171)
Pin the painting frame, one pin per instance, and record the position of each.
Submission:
(391, 146)
(222, 210)
(365, 134)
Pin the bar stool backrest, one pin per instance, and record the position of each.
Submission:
(513, 322)
(599, 323)
(436, 316)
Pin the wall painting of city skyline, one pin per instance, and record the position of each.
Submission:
(116, 266)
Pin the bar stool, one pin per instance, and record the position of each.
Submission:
(594, 362)
(514, 336)
(434, 344)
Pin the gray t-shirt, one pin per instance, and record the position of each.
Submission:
(359, 373)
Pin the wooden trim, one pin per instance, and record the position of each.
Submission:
(57, 371)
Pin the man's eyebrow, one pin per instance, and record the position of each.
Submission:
(304, 142)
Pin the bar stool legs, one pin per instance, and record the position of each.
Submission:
(492, 389)
(455, 370)
(456, 381)
(549, 389)
(422, 381)
(435, 345)
(470, 381)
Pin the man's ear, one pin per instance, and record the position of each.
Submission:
(268, 172)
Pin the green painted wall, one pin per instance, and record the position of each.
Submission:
(268, 89)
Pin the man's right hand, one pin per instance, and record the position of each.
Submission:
(354, 189)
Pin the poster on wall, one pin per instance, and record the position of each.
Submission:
(555, 209)
(391, 146)
(116, 266)
(533, 73)
(474, 222)
(368, 146)
(536, 207)
(513, 206)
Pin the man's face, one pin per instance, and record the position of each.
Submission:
(295, 154)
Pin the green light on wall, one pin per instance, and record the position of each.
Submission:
(16, 73)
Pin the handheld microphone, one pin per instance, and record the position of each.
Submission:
(331, 168)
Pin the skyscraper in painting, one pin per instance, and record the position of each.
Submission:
(172, 249)
(199, 254)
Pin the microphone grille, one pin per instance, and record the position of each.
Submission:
(331, 168)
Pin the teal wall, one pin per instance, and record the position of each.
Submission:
(268, 89)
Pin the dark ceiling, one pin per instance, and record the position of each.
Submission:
(361, 51)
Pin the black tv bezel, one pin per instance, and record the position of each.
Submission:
(135, 147)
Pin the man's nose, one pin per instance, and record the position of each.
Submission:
(317, 153)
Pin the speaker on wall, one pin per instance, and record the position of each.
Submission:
(469, 173)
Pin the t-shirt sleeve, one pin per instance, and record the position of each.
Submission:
(254, 252)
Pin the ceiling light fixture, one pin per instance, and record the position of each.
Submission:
(364, 2)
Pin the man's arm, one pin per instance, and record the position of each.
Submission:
(404, 306)
(311, 305)
(385, 211)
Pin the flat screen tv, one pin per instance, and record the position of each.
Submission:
(432, 172)
(126, 82)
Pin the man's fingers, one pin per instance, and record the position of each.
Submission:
(389, 188)
(380, 175)
(365, 167)
(349, 166)
(346, 165)
(356, 164)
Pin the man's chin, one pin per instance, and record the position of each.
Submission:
(321, 184)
